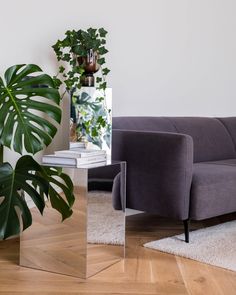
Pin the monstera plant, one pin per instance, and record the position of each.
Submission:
(27, 125)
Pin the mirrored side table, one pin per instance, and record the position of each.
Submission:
(93, 238)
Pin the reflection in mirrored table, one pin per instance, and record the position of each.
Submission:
(93, 238)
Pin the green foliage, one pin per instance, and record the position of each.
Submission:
(36, 180)
(105, 71)
(93, 122)
(22, 128)
(101, 61)
(78, 43)
(19, 126)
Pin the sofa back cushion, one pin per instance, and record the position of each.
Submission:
(161, 124)
(212, 140)
(210, 137)
(230, 125)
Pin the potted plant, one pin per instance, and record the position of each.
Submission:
(22, 129)
(80, 55)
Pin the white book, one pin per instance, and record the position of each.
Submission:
(74, 145)
(80, 153)
(72, 161)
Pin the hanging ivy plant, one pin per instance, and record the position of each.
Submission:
(78, 43)
(93, 117)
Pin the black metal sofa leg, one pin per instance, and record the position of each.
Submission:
(186, 230)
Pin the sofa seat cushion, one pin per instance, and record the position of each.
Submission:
(213, 190)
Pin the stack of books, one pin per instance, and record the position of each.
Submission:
(76, 157)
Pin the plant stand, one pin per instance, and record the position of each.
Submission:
(64, 247)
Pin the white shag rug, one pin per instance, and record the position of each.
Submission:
(105, 225)
(215, 245)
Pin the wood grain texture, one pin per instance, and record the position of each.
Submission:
(144, 271)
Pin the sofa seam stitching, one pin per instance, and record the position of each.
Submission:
(172, 123)
(227, 130)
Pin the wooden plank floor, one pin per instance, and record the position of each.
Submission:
(144, 271)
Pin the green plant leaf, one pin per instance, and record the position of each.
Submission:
(80, 70)
(101, 121)
(57, 82)
(52, 174)
(79, 50)
(92, 32)
(20, 126)
(66, 57)
(36, 180)
(61, 69)
(98, 79)
(101, 61)
(102, 50)
(11, 182)
(102, 32)
(103, 86)
(105, 71)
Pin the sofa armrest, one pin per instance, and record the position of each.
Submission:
(159, 170)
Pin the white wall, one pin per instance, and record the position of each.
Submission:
(168, 57)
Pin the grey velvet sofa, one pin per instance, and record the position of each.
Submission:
(178, 167)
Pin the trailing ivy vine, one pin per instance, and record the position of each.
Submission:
(93, 122)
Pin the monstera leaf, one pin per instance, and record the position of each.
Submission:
(36, 181)
(29, 112)
(51, 174)
(21, 125)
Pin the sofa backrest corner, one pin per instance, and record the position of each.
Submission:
(214, 138)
